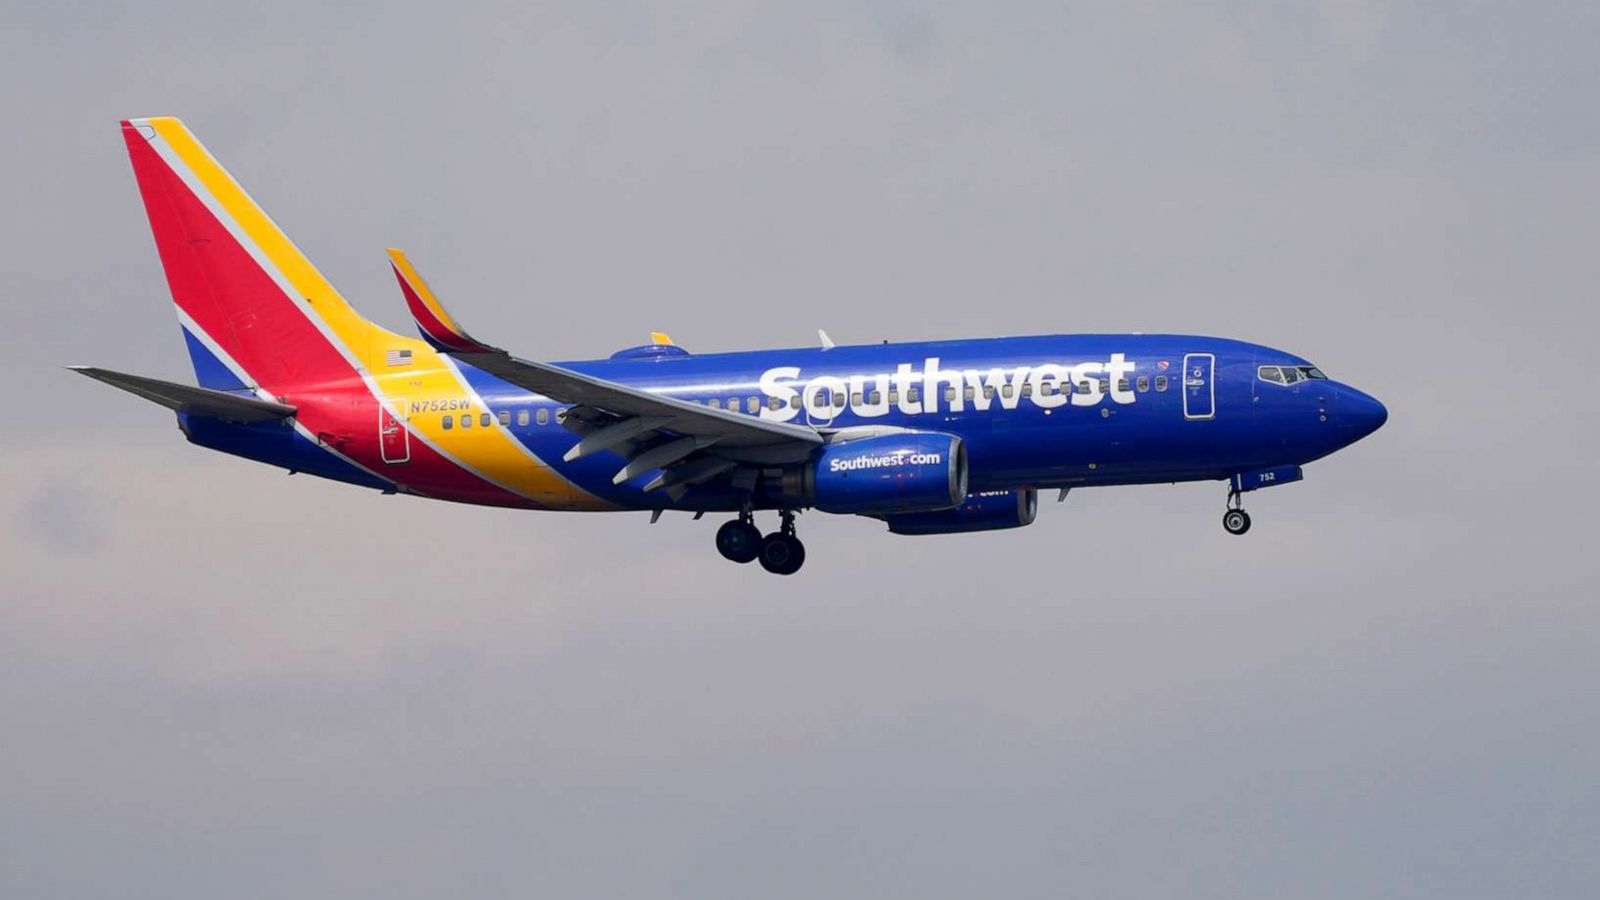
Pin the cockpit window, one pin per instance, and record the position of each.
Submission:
(1290, 374)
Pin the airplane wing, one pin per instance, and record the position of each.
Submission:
(614, 415)
(193, 400)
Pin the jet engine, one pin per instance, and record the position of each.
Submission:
(908, 472)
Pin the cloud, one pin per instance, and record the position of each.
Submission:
(63, 517)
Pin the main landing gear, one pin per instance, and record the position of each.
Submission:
(1235, 520)
(739, 540)
(780, 552)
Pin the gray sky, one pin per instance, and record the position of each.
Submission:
(216, 680)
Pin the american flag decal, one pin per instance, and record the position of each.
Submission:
(398, 357)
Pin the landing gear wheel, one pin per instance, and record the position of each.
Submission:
(782, 554)
(1236, 521)
(739, 540)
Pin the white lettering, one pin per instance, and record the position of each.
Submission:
(1084, 375)
(887, 461)
(911, 392)
(933, 381)
(819, 395)
(771, 387)
(1048, 381)
(1119, 368)
(903, 382)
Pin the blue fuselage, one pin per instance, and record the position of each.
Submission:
(1050, 411)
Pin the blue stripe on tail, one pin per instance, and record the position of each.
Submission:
(209, 370)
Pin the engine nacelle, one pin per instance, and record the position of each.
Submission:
(984, 511)
(894, 473)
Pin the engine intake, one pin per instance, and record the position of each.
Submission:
(896, 473)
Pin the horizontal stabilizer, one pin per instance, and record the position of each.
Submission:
(197, 401)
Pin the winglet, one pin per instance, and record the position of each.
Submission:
(660, 338)
(827, 342)
(438, 327)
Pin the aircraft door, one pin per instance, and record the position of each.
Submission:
(394, 439)
(1199, 386)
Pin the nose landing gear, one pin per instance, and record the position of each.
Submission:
(1235, 520)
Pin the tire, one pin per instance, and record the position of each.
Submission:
(739, 541)
(1236, 521)
(782, 554)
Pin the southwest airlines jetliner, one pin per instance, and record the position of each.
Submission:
(941, 437)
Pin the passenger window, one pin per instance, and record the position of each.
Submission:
(543, 416)
(1006, 391)
(485, 419)
(912, 395)
(1122, 384)
(1161, 383)
(752, 405)
(714, 403)
(1144, 383)
(733, 404)
(522, 417)
(466, 420)
(877, 397)
(970, 392)
(988, 391)
(894, 395)
(1027, 390)
(855, 399)
(505, 417)
(794, 402)
(774, 403)
(448, 423)
(838, 399)
(949, 393)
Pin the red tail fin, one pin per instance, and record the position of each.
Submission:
(253, 306)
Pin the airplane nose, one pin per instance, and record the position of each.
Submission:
(1360, 414)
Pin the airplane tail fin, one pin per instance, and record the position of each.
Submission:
(256, 313)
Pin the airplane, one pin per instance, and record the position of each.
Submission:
(936, 437)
